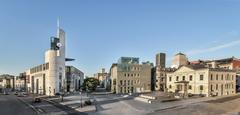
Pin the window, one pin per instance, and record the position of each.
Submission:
(183, 78)
(232, 77)
(201, 77)
(120, 82)
(177, 78)
(217, 77)
(201, 87)
(211, 88)
(190, 87)
(170, 87)
(216, 86)
(125, 74)
(222, 76)
(170, 78)
(211, 77)
(128, 82)
(190, 77)
(162, 79)
(124, 82)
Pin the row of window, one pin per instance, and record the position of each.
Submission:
(227, 77)
(180, 87)
(126, 89)
(227, 86)
(129, 82)
(132, 75)
(184, 78)
(39, 68)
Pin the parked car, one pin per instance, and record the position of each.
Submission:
(37, 100)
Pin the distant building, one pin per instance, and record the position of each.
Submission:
(199, 79)
(21, 82)
(160, 72)
(7, 82)
(179, 59)
(128, 76)
(161, 78)
(75, 78)
(102, 77)
(161, 60)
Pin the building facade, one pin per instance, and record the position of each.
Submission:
(7, 82)
(128, 76)
(75, 78)
(49, 78)
(202, 80)
(179, 60)
(102, 77)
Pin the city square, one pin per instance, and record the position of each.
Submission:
(119, 57)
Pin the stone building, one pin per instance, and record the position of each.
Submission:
(75, 78)
(202, 80)
(7, 82)
(128, 76)
(102, 76)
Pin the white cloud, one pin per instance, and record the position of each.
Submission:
(212, 49)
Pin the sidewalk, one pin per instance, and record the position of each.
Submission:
(75, 102)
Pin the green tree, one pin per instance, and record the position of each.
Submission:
(90, 84)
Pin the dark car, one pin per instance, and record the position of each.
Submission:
(37, 100)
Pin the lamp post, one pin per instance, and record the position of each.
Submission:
(80, 97)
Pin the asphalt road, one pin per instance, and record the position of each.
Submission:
(10, 105)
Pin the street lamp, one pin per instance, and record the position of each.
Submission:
(80, 97)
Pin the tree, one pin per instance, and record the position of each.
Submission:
(90, 84)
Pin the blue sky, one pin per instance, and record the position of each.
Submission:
(100, 31)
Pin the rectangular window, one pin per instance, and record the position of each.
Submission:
(120, 82)
(177, 78)
(217, 77)
(190, 87)
(201, 87)
(190, 77)
(211, 77)
(183, 78)
(201, 77)
(216, 86)
(170, 78)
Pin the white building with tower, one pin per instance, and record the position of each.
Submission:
(50, 78)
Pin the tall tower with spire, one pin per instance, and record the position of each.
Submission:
(55, 57)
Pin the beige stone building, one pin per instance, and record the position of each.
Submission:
(199, 79)
(7, 81)
(128, 76)
(102, 77)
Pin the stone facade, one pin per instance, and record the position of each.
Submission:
(128, 76)
(202, 80)
(75, 78)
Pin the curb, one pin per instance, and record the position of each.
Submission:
(38, 111)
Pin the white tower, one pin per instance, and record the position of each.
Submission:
(55, 78)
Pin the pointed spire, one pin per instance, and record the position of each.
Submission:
(58, 22)
(58, 27)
